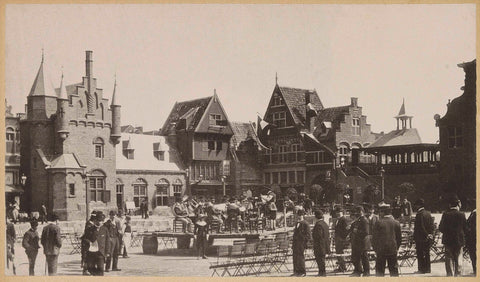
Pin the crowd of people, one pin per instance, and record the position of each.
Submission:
(382, 233)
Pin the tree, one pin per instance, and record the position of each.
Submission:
(406, 188)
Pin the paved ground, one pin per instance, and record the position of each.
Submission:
(170, 263)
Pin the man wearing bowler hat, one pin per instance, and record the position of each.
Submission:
(341, 233)
(301, 236)
(113, 234)
(423, 236)
(51, 242)
(321, 242)
(359, 231)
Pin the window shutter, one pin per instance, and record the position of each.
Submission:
(106, 196)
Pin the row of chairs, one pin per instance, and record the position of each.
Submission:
(252, 258)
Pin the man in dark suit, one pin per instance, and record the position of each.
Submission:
(387, 236)
(423, 236)
(51, 242)
(99, 245)
(31, 246)
(359, 232)
(113, 234)
(321, 242)
(341, 233)
(471, 235)
(301, 236)
(452, 225)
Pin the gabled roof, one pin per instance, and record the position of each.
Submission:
(243, 131)
(398, 137)
(144, 159)
(333, 114)
(182, 108)
(65, 161)
(295, 101)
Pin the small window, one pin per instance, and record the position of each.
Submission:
(300, 177)
(291, 177)
(356, 126)
(279, 119)
(159, 155)
(216, 119)
(10, 135)
(283, 177)
(98, 143)
(219, 145)
(267, 178)
(211, 145)
(274, 177)
(71, 189)
(455, 137)
(177, 190)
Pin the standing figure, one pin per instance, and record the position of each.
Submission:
(407, 212)
(15, 212)
(10, 243)
(181, 214)
(43, 213)
(119, 222)
(86, 240)
(127, 236)
(471, 238)
(145, 209)
(397, 208)
(99, 246)
(359, 232)
(271, 213)
(200, 232)
(341, 233)
(31, 246)
(387, 237)
(452, 225)
(114, 243)
(372, 219)
(321, 242)
(51, 242)
(423, 236)
(301, 236)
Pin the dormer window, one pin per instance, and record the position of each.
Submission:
(277, 100)
(158, 152)
(128, 150)
(216, 119)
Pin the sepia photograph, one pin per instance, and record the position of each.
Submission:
(226, 140)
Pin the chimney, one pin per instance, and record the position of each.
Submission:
(354, 102)
(88, 64)
(309, 113)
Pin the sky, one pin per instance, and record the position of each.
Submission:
(166, 53)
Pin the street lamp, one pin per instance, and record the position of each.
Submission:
(23, 179)
(223, 183)
(382, 175)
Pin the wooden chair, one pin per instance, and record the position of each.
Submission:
(178, 226)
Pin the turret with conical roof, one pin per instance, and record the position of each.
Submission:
(62, 104)
(116, 132)
(403, 117)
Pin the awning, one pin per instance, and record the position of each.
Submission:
(10, 188)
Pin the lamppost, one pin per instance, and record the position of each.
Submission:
(223, 183)
(382, 175)
(87, 208)
(23, 180)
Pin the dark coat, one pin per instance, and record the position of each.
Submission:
(452, 225)
(301, 235)
(471, 235)
(387, 236)
(89, 232)
(103, 239)
(321, 237)
(11, 234)
(359, 231)
(371, 223)
(424, 226)
(51, 239)
(30, 241)
(341, 228)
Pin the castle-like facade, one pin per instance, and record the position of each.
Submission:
(68, 142)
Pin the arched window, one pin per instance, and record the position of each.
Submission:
(343, 149)
(98, 192)
(102, 112)
(99, 146)
(161, 193)
(119, 193)
(177, 188)
(10, 132)
(140, 191)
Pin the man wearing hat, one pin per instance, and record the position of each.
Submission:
(387, 237)
(471, 236)
(321, 242)
(181, 214)
(301, 236)
(99, 245)
(113, 233)
(51, 242)
(341, 233)
(452, 225)
(31, 246)
(423, 236)
(86, 240)
(359, 231)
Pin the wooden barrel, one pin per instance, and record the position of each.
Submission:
(150, 245)
(183, 242)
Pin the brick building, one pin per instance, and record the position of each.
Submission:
(148, 169)
(201, 132)
(458, 139)
(295, 158)
(13, 187)
(68, 144)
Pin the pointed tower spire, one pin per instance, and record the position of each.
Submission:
(42, 86)
(114, 95)
(276, 78)
(63, 90)
(402, 108)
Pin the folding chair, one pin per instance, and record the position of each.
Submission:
(223, 253)
(235, 258)
(248, 261)
(261, 258)
(282, 255)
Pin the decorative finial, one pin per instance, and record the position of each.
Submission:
(276, 78)
(62, 72)
(43, 55)
(214, 91)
